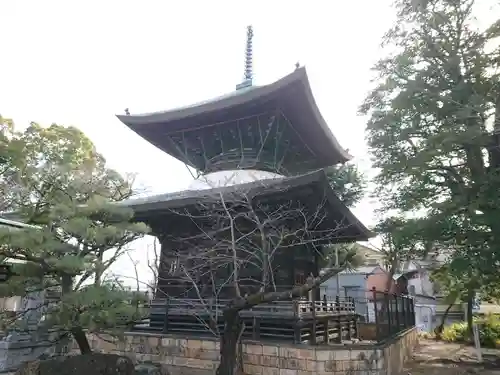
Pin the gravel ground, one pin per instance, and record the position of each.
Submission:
(438, 358)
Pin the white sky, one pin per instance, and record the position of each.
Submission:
(81, 62)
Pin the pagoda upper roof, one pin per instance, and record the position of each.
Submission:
(312, 189)
(291, 94)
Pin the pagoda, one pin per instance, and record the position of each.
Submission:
(269, 142)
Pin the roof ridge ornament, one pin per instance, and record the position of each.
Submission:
(248, 75)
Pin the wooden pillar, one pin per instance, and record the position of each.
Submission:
(326, 339)
(315, 272)
(340, 327)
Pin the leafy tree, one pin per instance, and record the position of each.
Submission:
(346, 254)
(399, 243)
(64, 189)
(431, 129)
(350, 185)
(347, 182)
(50, 164)
(449, 285)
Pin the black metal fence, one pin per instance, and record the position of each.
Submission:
(391, 313)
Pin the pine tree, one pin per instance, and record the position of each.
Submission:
(61, 187)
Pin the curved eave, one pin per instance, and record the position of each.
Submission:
(166, 203)
(239, 98)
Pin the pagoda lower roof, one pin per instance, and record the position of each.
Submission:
(311, 188)
(290, 95)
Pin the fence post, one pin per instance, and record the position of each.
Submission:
(412, 304)
(297, 329)
(396, 303)
(408, 312)
(165, 322)
(377, 326)
(403, 312)
(388, 311)
(314, 321)
(337, 303)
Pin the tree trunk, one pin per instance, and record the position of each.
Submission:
(470, 301)
(77, 332)
(440, 328)
(81, 340)
(229, 342)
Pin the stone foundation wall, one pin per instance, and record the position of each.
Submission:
(398, 350)
(195, 357)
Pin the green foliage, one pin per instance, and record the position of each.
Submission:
(489, 331)
(430, 132)
(48, 165)
(348, 183)
(61, 185)
(398, 241)
(456, 332)
(448, 283)
(347, 255)
(97, 308)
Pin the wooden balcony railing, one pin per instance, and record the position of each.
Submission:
(297, 308)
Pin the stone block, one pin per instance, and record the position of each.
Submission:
(270, 350)
(180, 361)
(331, 366)
(208, 345)
(341, 355)
(293, 363)
(181, 342)
(288, 372)
(168, 341)
(138, 339)
(270, 371)
(269, 361)
(324, 354)
(212, 355)
(194, 344)
(168, 360)
(191, 352)
(288, 352)
(307, 353)
(253, 349)
(201, 363)
(252, 369)
(252, 359)
(170, 351)
(311, 365)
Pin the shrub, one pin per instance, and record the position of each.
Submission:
(455, 332)
(489, 331)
